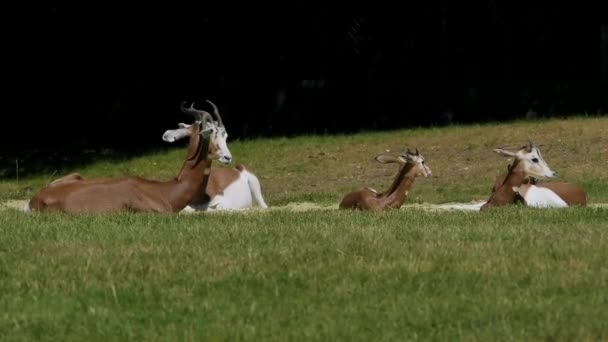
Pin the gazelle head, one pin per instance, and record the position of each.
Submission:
(204, 125)
(529, 160)
(415, 160)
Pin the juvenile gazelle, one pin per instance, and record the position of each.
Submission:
(227, 188)
(73, 194)
(412, 166)
(521, 183)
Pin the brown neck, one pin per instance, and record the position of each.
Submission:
(504, 193)
(396, 193)
(193, 176)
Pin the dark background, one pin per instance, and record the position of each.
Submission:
(111, 77)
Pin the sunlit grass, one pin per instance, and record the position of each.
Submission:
(507, 274)
(327, 167)
(514, 274)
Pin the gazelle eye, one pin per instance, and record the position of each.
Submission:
(535, 160)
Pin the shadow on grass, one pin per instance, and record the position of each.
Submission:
(55, 162)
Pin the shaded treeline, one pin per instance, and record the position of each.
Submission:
(94, 78)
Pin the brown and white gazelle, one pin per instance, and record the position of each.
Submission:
(228, 188)
(520, 183)
(73, 194)
(412, 166)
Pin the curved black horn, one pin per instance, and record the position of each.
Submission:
(216, 113)
(207, 118)
(417, 152)
(197, 113)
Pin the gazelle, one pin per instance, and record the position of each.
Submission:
(520, 182)
(412, 166)
(73, 194)
(568, 193)
(227, 188)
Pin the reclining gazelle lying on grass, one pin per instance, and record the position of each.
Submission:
(412, 166)
(73, 194)
(228, 188)
(520, 183)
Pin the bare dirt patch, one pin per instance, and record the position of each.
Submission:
(13, 204)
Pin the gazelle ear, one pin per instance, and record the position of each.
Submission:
(386, 159)
(505, 153)
(173, 135)
(183, 125)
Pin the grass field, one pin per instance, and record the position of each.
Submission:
(509, 274)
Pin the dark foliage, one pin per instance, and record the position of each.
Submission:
(113, 77)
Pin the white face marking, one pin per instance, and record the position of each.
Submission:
(536, 165)
(533, 163)
(418, 161)
(218, 139)
(425, 169)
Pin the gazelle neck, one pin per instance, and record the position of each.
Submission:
(504, 193)
(194, 174)
(396, 193)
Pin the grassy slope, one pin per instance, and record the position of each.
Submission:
(513, 273)
(324, 168)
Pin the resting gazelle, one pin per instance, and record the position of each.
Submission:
(412, 166)
(75, 194)
(520, 183)
(228, 188)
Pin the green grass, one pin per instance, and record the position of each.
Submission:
(325, 168)
(507, 274)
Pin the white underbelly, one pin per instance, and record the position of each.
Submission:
(542, 198)
(236, 196)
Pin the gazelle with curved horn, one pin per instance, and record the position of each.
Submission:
(73, 194)
(520, 183)
(228, 188)
(412, 166)
(218, 130)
